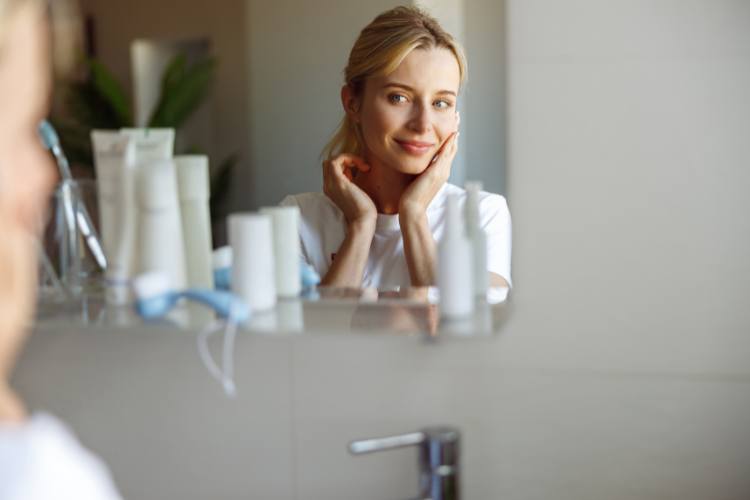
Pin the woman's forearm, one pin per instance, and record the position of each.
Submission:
(349, 263)
(420, 249)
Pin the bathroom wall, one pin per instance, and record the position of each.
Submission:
(628, 170)
(485, 113)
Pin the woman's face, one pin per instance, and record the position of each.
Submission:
(406, 116)
(26, 175)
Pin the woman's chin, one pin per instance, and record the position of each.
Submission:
(412, 166)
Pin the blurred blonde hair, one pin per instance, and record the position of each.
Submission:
(379, 50)
(64, 25)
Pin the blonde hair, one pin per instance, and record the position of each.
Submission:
(65, 29)
(379, 50)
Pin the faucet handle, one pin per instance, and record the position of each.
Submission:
(438, 458)
(386, 443)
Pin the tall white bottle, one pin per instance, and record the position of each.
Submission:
(151, 144)
(478, 238)
(161, 243)
(286, 249)
(193, 186)
(114, 158)
(455, 266)
(253, 274)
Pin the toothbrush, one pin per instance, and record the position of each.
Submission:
(154, 298)
(82, 219)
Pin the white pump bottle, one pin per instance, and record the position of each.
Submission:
(478, 238)
(455, 266)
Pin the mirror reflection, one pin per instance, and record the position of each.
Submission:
(233, 173)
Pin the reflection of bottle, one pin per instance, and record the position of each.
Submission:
(251, 238)
(478, 238)
(114, 158)
(161, 245)
(286, 249)
(192, 181)
(455, 276)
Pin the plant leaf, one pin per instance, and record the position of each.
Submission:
(110, 91)
(183, 94)
(173, 74)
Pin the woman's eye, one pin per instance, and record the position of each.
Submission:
(442, 104)
(396, 98)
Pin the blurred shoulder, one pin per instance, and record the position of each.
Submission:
(313, 205)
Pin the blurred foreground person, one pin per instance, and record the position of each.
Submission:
(39, 456)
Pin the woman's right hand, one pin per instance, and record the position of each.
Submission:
(338, 185)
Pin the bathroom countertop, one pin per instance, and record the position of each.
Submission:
(326, 310)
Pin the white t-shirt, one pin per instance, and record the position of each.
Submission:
(42, 460)
(323, 229)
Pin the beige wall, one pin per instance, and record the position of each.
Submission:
(628, 171)
(484, 97)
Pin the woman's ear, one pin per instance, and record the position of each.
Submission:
(350, 102)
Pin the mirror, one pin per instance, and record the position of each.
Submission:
(275, 99)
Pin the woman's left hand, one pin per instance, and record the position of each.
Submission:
(417, 197)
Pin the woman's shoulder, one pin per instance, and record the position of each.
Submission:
(42, 458)
(313, 205)
(307, 200)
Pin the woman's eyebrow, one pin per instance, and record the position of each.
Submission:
(411, 89)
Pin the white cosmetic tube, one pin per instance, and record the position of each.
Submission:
(161, 243)
(455, 266)
(253, 277)
(286, 249)
(193, 185)
(151, 143)
(114, 159)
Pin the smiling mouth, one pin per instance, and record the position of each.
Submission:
(415, 148)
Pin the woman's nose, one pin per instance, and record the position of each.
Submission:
(421, 119)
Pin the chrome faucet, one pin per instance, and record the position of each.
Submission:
(438, 458)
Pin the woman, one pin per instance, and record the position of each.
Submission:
(39, 457)
(386, 168)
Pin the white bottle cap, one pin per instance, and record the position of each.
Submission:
(151, 143)
(192, 177)
(222, 257)
(157, 184)
(150, 284)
